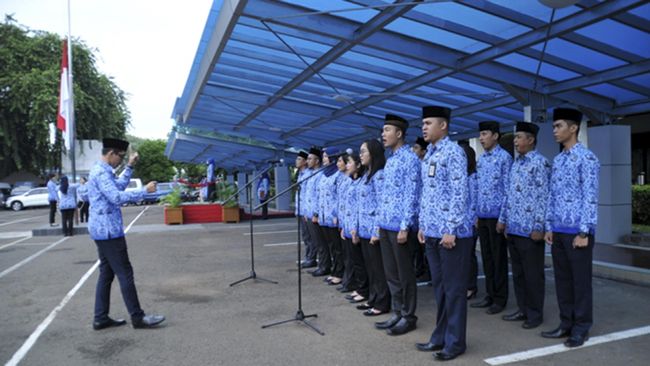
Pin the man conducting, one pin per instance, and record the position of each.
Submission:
(106, 194)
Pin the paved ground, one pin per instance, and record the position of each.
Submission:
(184, 272)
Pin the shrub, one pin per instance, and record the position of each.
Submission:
(641, 204)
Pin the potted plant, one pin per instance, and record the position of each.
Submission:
(230, 207)
(173, 211)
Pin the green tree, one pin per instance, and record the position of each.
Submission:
(153, 164)
(30, 64)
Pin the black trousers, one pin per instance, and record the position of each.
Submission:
(335, 246)
(67, 217)
(319, 246)
(310, 253)
(84, 208)
(211, 192)
(398, 266)
(265, 209)
(473, 267)
(494, 251)
(378, 294)
(420, 265)
(449, 276)
(527, 261)
(52, 211)
(360, 281)
(572, 268)
(114, 261)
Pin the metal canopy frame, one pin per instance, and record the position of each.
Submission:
(324, 72)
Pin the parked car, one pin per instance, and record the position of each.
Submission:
(32, 198)
(134, 185)
(162, 189)
(5, 192)
(22, 187)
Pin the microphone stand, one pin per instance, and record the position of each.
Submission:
(300, 314)
(252, 275)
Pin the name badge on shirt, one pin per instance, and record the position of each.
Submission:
(432, 170)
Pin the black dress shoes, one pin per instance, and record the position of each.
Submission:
(576, 341)
(402, 327)
(343, 289)
(394, 319)
(108, 323)
(320, 273)
(494, 309)
(428, 347)
(364, 306)
(557, 333)
(373, 312)
(442, 356)
(530, 325)
(147, 321)
(307, 264)
(514, 317)
(485, 303)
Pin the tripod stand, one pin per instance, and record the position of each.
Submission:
(249, 186)
(300, 314)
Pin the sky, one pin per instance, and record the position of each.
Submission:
(147, 46)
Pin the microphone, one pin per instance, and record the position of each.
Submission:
(281, 161)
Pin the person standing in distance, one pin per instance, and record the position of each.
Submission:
(106, 194)
(52, 197)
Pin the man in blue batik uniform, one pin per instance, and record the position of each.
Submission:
(493, 170)
(397, 211)
(52, 197)
(310, 252)
(311, 212)
(106, 194)
(447, 232)
(524, 218)
(571, 219)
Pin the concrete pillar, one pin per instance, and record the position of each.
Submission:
(282, 181)
(612, 146)
(241, 182)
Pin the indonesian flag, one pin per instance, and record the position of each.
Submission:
(63, 118)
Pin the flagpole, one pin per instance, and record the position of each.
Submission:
(71, 125)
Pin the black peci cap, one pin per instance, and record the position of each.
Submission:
(116, 144)
(489, 126)
(568, 114)
(436, 111)
(527, 127)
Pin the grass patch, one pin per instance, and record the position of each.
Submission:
(641, 228)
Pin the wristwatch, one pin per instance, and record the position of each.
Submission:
(582, 234)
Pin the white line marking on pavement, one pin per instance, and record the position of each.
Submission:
(271, 232)
(14, 234)
(545, 351)
(31, 257)
(15, 242)
(15, 221)
(32, 244)
(279, 244)
(29, 343)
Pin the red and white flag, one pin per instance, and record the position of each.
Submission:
(64, 116)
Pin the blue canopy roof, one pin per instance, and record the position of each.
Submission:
(291, 74)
